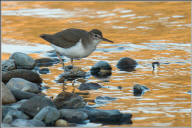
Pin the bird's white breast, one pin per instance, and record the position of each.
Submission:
(76, 51)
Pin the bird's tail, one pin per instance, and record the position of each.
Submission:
(47, 37)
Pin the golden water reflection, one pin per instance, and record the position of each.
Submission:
(141, 30)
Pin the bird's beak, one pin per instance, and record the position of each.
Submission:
(104, 39)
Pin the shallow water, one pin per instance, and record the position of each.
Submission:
(144, 31)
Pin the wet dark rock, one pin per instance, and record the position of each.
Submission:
(5, 110)
(69, 101)
(89, 86)
(21, 73)
(14, 114)
(107, 116)
(23, 85)
(101, 69)
(27, 123)
(71, 73)
(48, 115)
(22, 60)
(44, 71)
(104, 99)
(8, 65)
(35, 104)
(7, 96)
(19, 95)
(5, 125)
(45, 62)
(73, 115)
(102, 116)
(126, 64)
(139, 90)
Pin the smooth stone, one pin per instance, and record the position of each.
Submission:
(6, 109)
(44, 71)
(48, 115)
(23, 85)
(5, 125)
(61, 123)
(101, 69)
(69, 101)
(126, 118)
(73, 115)
(89, 86)
(126, 64)
(103, 99)
(71, 73)
(27, 123)
(23, 61)
(102, 116)
(7, 96)
(35, 104)
(14, 114)
(45, 62)
(19, 95)
(21, 73)
(8, 65)
(139, 90)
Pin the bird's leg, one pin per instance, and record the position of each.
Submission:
(63, 85)
(72, 62)
(73, 84)
(61, 61)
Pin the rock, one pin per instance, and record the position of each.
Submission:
(101, 69)
(126, 118)
(7, 96)
(73, 115)
(44, 62)
(44, 71)
(48, 115)
(5, 110)
(18, 104)
(8, 65)
(139, 90)
(35, 104)
(61, 123)
(71, 73)
(27, 123)
(19, 95)
(69, 100)
(89, 86)
(102, 116)
(21, 73)
(126, 64)
(23, 85)
(12, 115)
(104, 99)
(5, 125)
(22, 60)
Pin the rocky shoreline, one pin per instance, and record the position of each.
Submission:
(24, 104)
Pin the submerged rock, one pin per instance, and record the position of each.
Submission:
(22, 60)
(73, 115)
(89, 86)
(71, 73)
(21, 73)
(103, 99)
(23, 85)
(139, 90)
(48, 115)
(101, 69)
(45, 62)
(44, 71)
(69, 100)
(35, 104)
(27, 123)
(7, 96)
(126, 64)
(8, 65)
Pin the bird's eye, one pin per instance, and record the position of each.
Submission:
(96, 35)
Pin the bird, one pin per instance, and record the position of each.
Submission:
(74, 43)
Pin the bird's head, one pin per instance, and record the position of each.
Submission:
(96, 35)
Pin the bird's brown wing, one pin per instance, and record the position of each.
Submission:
(68, 37)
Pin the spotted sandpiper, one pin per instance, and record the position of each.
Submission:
(74, 43)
